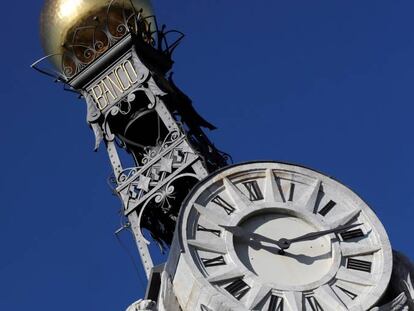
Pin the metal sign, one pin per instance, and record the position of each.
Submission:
(114, 84)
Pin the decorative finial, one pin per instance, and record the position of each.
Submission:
(86, 28)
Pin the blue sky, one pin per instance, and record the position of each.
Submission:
(326, 84)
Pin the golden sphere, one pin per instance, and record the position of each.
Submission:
(60, 19)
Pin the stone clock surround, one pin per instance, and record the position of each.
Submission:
(190, 286)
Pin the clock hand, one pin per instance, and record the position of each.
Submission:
(285, 243)
(240, 232)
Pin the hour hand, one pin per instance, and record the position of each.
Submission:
(241, 233)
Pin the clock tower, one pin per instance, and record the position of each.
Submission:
(254, 236)
(117, 58)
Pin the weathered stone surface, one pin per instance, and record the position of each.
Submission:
(143, 305)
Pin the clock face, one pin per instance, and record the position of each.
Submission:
(273, 236)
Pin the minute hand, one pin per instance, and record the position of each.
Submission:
(285, 243)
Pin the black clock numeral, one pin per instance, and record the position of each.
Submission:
(361, 265)
(254, 190)
(215, 232)
(351, 234)
(212, 262)
(327, 208)
(204, 308)
(276, 303)
(238, 288)
(291, 192)
(314, 304)
(347, 292)
(224, 204)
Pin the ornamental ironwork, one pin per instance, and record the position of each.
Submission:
(97, 35)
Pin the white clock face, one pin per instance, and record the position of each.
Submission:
(273, 236)
(303, 263)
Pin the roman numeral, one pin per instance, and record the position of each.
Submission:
(360, 265)
(212, 262)
(254, 190)
(215, 232)
(314, 304)
(276, 303)
(347, 292)
(291, 192)
(327, 208)
(204, 308)
(224, 204)
(351, 234)
(237, 288)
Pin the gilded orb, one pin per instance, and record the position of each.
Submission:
(61, 19)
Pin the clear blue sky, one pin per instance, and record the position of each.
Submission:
(326, 84)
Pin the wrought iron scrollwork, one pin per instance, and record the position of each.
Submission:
(86, 43)
(151, 153)
(162, 199)
(126, 174)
